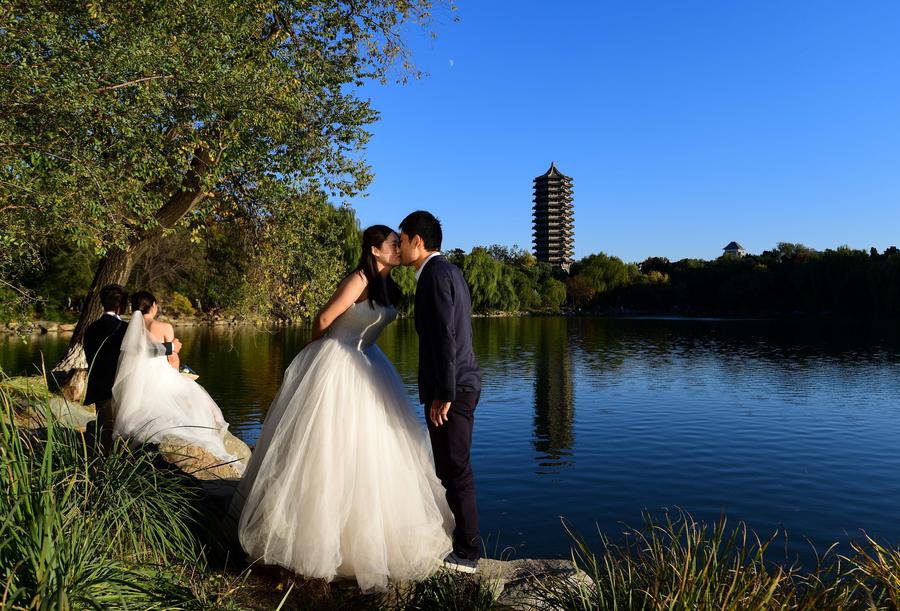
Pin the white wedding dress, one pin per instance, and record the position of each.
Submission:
(152, 400)
(342, 482)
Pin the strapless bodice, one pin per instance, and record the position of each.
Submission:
(361, 324)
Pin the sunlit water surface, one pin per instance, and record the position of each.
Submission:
(787, 426)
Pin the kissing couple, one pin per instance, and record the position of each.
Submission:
(343, 482)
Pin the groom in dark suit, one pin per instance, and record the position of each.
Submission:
(102, 344)
(449, 377)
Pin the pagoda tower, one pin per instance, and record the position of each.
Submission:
(554, 226)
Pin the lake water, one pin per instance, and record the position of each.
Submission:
(785, 425)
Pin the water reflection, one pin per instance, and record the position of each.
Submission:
(782, 424)
(554, 395)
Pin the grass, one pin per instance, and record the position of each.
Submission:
(265, 588)
(81, 529)
(32, 387)
(678, 563)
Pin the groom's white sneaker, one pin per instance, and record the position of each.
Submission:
(463, 565)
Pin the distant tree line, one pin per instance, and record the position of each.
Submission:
(790, 279)
(235, 266)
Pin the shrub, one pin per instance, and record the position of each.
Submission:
(181, 305)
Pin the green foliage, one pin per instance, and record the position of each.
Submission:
(500, 279)
(790, 279)
(489, 281)
(678, 563)
(552, 294)
(405, 277)
(301, 255)
(81, 531)
(122, 119)
(603, 273)
(181, 305)
(349, 234)
(110, 105)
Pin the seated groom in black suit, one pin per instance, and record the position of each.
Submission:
(449, 377)
(102, 344)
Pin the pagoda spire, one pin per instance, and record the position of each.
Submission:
(554, 226)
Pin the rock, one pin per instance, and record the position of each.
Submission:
(50, 328)
(517, 583)
(31, 413)
(238, 448)
(32, 401)
(67, 327)
(200, 463)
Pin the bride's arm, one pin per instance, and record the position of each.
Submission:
(168, 335)
(348, 291)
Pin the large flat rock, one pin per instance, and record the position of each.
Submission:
(34, 404)
(33, 414)
(202, 464)
(517, 583)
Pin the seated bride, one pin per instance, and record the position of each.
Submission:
(152, 400)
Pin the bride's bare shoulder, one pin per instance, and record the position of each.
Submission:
(162, 329)
(355, 279)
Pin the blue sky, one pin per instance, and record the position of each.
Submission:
(685, 125)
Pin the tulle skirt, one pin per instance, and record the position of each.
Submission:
(154, 401)
(342, 482)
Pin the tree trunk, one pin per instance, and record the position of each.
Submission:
(70, 376)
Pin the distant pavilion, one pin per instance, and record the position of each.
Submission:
(734, 250)
(554, 226)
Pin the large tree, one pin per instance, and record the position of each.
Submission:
(120, 118)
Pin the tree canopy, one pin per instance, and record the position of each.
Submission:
(120, 120)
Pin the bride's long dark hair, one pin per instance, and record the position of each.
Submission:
(386, 292)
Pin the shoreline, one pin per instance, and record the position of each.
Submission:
(44, 327)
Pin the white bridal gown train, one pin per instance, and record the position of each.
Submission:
(153, 400)
(342, 482)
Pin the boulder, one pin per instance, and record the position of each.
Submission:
(517, 583)
(33, 404)
(31, 414)
(200, 463)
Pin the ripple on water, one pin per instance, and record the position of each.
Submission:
(787, 427)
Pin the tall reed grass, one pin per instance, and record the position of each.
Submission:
(678, 563)
(83, 529)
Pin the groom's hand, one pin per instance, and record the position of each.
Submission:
(439, 412)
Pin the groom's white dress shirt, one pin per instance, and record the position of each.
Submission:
(425, 262)
(113, 314)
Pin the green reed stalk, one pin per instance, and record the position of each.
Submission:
(79, 529)
(680, 564)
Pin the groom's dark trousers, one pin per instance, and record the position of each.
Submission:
(451, 443)
(448, 373)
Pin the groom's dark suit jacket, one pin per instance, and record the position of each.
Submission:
(102, 343)
(444, 325)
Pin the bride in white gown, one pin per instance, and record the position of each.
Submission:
(152, 400)
(342, 481)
